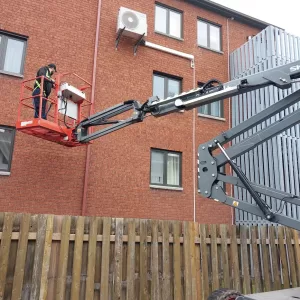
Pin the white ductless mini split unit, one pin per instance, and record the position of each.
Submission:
(69, 96)
(132, 23)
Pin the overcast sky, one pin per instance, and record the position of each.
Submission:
(281, 13)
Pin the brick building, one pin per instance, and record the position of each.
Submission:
(121, 174)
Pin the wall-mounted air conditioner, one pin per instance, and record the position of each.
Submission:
(134, 22)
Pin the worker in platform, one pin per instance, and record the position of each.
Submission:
(49, 83)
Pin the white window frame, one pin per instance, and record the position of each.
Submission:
(4, 37)
(165, 153)
(166, 78)
(6, 171)
(169, 9)
(209, 24)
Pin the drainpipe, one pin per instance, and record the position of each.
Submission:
(195, 158)
(88, 150)
(228, 53)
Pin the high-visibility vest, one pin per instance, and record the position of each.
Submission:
(38, 84)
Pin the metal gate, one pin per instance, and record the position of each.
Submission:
(275, 163)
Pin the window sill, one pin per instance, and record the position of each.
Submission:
(212, 117)
(165, 187)
(206, 48)
(4, 173)
(169, 36)
(11, 74)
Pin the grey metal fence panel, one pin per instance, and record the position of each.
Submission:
(286, 171)
(278, 159)
(243, 59)
(295, 166)
(298, 168)
(251, 53)
(281, 165)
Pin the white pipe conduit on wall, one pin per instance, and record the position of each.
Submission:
(171, 51)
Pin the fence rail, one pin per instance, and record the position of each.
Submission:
(70, 257)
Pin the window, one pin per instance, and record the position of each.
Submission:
(168, 21)
(7, 137)
(165, 86)
(166, 168)
(214, 109)
(12, 53)
(209, 35)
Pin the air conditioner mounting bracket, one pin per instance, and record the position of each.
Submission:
(139, 41)
(119, 37)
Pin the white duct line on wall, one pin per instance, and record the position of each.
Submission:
(171, 51)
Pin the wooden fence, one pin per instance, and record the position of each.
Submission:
(68, 257)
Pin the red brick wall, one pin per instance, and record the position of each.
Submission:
(48, 178)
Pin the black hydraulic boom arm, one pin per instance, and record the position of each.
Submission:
(104, 118)
(208, 166)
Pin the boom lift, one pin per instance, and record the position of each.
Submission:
(209, 165)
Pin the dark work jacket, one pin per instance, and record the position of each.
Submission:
(44, 71)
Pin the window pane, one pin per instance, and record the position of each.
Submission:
(5, 148)
(215, 109)
(173, 87)
(160, 19)
(175, 24)
(159, 86)
(215, 37)
(13, 56)
(202, 33)
(157, 167)
(203, 109)
(173, 169)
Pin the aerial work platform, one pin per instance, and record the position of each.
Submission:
(66, 107)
